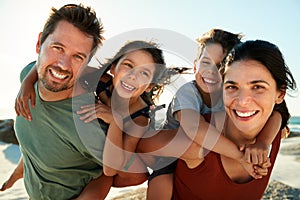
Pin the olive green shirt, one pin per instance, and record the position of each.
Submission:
(61, 153)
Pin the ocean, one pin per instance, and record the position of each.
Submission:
(294, 124)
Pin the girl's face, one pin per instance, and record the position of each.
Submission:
(250, 94)
(133, 74)
(207, 76)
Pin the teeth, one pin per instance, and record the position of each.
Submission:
(245, 114)
(128, 87)
(209, 81)
(57, 75)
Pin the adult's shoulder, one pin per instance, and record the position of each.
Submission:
(26, 70)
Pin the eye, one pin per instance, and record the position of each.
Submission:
(127, 64)
(79, 57)
(205, 62)
(145, 73)
(258, 87)
(57, 48)
(230, 87)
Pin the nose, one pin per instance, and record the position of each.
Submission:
(65, 62)
(213, 69)
(244, 98)
(132, 74)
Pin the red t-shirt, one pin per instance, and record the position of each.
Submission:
(210, 181)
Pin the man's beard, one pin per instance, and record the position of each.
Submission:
(55, 87)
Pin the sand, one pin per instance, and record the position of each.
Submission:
(284, 182)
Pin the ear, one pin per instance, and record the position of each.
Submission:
(38, 44)
(195, 66)
(149, 88)
(112, 69)
(280, 97)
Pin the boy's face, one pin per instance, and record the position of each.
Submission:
(208, 78)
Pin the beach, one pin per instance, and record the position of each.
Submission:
(284, 182)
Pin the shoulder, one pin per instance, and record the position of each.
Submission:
(26, 70)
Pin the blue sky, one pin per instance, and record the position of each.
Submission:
(277, 21)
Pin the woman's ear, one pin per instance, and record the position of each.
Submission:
(280, 97)
(38, 44)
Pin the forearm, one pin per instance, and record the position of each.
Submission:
(270, 130)
(31, 77)
(207, 136)
(113, 148)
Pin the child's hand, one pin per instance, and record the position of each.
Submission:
(256, 153)
(94, 111)
(249, 167)
(25, 94)
(262, 170)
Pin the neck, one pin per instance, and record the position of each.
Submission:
(237, 136)
(126, 106)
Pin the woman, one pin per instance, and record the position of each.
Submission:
(255, 82)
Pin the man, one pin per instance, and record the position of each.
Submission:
(58, 164)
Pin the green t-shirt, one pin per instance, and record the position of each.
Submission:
(61, 153)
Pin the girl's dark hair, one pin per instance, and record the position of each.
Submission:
(83, 18)
(270, 56)
(218, 36)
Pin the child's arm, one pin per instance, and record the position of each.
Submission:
(113, 148)
(258, 152)
(25, 94)
(207, 136)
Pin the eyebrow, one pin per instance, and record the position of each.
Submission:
(252, 82)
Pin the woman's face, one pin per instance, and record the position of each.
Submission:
(250, 94)
(133, 74)
(208, 77)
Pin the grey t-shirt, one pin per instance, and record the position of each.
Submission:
(188, 97)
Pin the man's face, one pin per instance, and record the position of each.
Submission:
(61, 57)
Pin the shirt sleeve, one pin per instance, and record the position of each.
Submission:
(187, 97)
(26, 70)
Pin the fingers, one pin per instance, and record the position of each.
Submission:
(256, 156)
(86, 108)
(261, 171)
(248, 156)
(22, 106)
